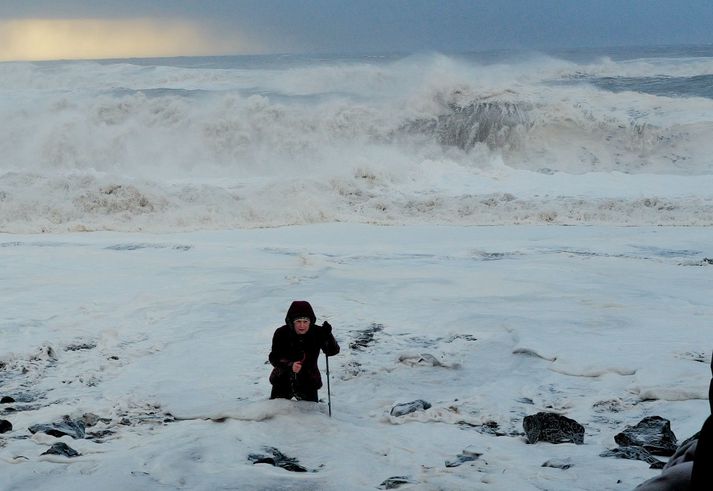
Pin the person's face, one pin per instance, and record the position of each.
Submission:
(301, 326)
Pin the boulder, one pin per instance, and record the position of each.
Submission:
(409, 407)
(652, 433)
(7, 400)
(553, 428)
(5, 426)
(60, 448)
(75, 429)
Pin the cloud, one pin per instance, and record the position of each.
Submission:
(50, 39)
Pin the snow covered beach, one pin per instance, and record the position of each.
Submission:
(158, 219)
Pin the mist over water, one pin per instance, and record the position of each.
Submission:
(205, 143)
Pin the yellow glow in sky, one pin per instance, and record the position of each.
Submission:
(51, 39)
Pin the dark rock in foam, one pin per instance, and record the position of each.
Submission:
(75, 429)
(563, 464)
(278, 459)
(652, 433)
(463, 457)
(5, 426)
(633, 453)
(409, 407)
(553, 428)
(395, 482)
(365, 337)
(60, 448)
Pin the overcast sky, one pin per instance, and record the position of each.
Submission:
(349, 26)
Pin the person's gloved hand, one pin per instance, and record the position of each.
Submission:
(327, 327)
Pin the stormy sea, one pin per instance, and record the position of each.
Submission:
(493, 235)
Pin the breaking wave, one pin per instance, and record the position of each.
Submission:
(120, 146)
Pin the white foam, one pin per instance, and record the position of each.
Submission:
(171, 344)
(395, 142)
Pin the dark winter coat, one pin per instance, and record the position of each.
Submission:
(289, 347)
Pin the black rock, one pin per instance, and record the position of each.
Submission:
(365, 337)
(395, 482)
(98, 436)
(278, 459)
(75, 429)
(563, 464)
(553, 428)
(487, 428)
(19, 397)
(652, 433)
(91, 419)
(5, 426)
(60, 448)
(633, 453)
(80, 346)
(462, 458)
(409, 407)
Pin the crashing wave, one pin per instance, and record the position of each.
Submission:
(494, 123)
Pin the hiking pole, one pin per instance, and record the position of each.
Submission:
(329, 394)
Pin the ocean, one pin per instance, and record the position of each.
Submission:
(613, 137)
(159, 216)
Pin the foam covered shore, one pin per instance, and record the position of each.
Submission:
(164, 339)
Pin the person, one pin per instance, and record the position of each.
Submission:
(295, 349)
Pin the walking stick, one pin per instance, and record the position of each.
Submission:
(329, 394)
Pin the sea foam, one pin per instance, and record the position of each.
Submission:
(122, 146)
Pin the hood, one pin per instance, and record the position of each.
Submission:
(300, 308)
